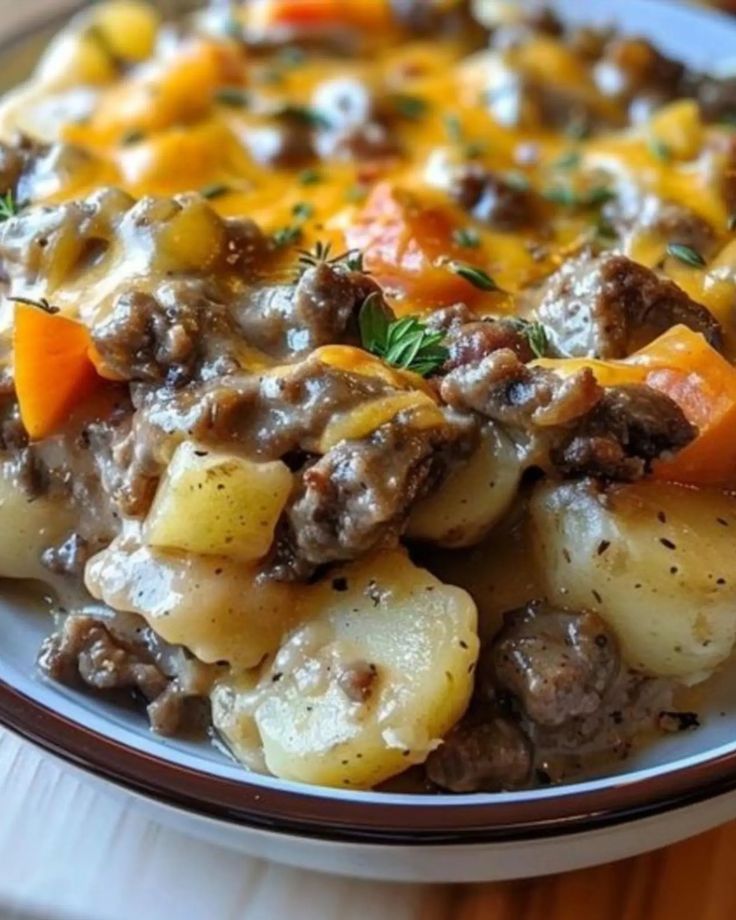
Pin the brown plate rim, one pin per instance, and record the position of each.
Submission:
(313, 812)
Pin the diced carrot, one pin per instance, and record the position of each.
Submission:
(407, 244)
(701, 381)
(52, 368)
(263, 15)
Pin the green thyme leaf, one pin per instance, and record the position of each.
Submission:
(408, 106)
(659, 150)
(476, 276)
(453, 127)
(41, 303)
(8, 206)
(134, 136)
(578, 129)
(214, 190)
(517, 180)
(686, 254)
(303, 210)
(310, 177)
(292, 233)
(405, 343)
(732, 222)
(233, 96)
(534, 333)
(570, 198)
(569, 160)
(467, 237)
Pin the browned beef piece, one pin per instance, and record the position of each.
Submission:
(434, 17)
(716, 97)
(608, 306)
(634, 71)
(288, 144)
(320, 309)
(357, 496)
(171, 337)
(581, 428)
(357, 126)
(469, 339)
(481, 755)
(629, 428)
(85, 650)
(504, 389)
(493, 199)
(557, 664)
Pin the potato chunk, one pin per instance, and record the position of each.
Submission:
(218, 504)
(654, 559)
(473, 498)
(210, 604)
(378, 674)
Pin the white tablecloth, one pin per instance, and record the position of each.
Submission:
(70, 852)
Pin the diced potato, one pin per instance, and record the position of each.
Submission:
(380, 624)
(212, 605)
(473, 498)
(27, 528)
(654, 559)
(213, 503)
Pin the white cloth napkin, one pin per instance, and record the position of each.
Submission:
(70, 852)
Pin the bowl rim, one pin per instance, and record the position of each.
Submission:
(316, 812)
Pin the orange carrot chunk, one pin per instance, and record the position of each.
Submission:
(681, 364)
(267, 14)
(407, 244)
(52, 368)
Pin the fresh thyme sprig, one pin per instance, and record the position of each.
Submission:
(39, 302)
(320, 252)
(534, 333)
(405, 343)
(686, 254)
(8, 206)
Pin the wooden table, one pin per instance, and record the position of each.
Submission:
(71, 852)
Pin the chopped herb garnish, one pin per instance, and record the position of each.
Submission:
(659, 150)
(134, 136)
(732, 222)
(353, 258)
(476, 276)
(304, 114)
(8, 206)
(686, 254)
(471, 149)
(453, 127)
(310, 176)
(578, 129)
(356, 192)
(41, 303)
(285, 236)
(517, 180)
(232, 96)
(291, 56)
(534, 333)
(569, 160)
(320, 253)
(605, 230)
(467, 237)
(412, 107)
(474, 149)
(570, 198)
(302, 211)
(406, 343)
(214, 190)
